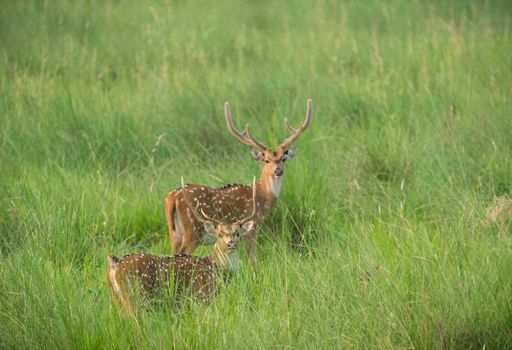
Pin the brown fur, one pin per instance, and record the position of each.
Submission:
(229, 204)
(233, 202)
(150, 276)
(147, 277)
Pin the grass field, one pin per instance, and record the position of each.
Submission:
(380, 238)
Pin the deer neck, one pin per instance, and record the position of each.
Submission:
(222, 260)
(269, 187)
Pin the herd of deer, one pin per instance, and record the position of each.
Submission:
(198, 214)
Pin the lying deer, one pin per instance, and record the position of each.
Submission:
(233, 201)
(152, 275)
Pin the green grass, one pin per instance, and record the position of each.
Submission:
(379, 238)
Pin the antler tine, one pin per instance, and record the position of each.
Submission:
(191, 207)
(289, 126)
(231, 127)
(249, 140)
(296, 132)
(261, 146)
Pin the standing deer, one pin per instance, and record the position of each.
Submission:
(148, 276)
(232, 201)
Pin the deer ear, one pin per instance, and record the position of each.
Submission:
(209, 227)
(248, 226)
(289, 154)
(258, 155)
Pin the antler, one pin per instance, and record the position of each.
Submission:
(191, 207)
(242, 221)
(296, 132)
(248, 139)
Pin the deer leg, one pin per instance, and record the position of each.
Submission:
(188, 239)
(177, 237)
(189, 244)
(250, 245)
(127, 305)
(124, 299)
(173, 220)
(176, 244)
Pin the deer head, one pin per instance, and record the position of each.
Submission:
(274, 159)
(227, 235)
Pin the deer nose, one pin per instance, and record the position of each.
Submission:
(278, 172)
(231, 245)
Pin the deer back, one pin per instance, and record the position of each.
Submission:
(228, 203)
(149, 276)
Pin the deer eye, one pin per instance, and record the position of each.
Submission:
(284, 159)
(221, 235)
(267, 161)
(237, 234)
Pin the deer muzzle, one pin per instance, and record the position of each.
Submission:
(231, 245)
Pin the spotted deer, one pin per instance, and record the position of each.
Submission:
(146, 276)
(233, 201)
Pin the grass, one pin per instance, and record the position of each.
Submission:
(379, 238)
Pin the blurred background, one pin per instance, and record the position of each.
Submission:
(393, 224)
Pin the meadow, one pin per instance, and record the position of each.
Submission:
(381, 237)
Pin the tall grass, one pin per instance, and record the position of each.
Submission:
(379, 238)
